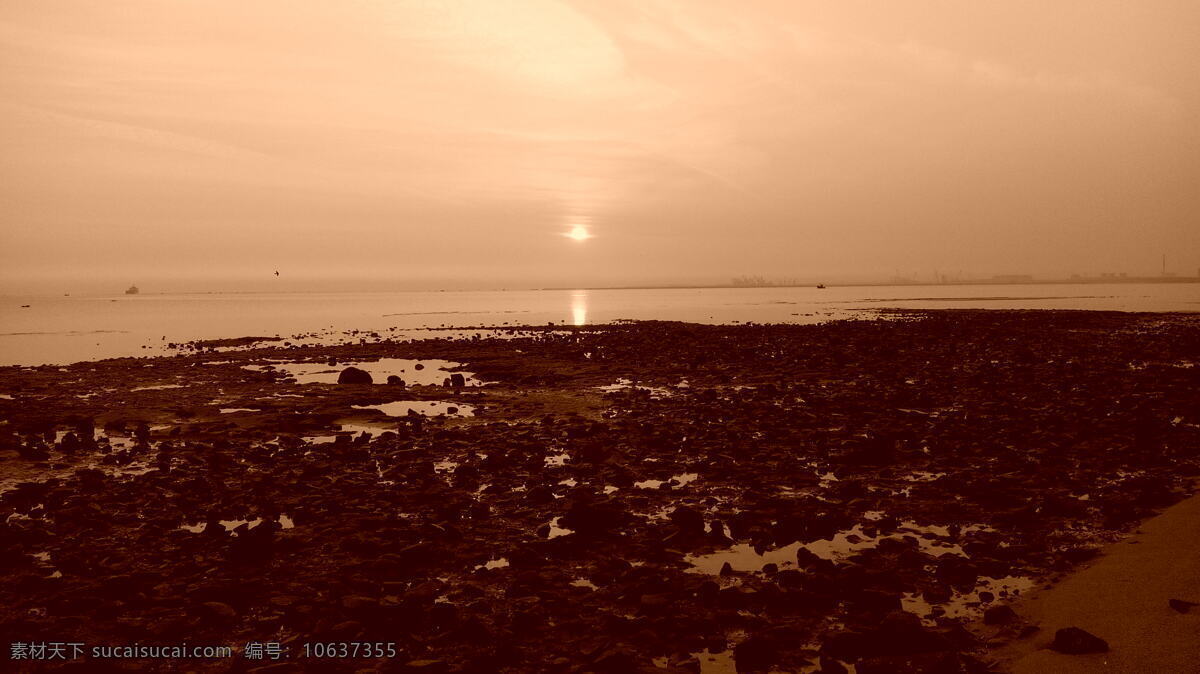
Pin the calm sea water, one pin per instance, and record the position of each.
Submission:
(59, 330)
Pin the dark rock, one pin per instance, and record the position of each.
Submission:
(655, 602)
(831, 666)
(69, 443)
(353, 375)
(253, 546)
(539, 494)
(426, 666)
(219, 610)
(689, 520)
(758, 653)
(457, 380)
(999, 615)
(1075, 555)
(590, 519)
(394, 380)
(1075, 641)
(956, 570)
(617, 660)
(877, 602)
(900, 633)
(33, 453)
(359, 603)
(1181, 605)
(937, 593)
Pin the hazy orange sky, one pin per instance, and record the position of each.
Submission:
(184, 143)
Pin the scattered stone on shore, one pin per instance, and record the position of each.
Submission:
(1075, 641)
(1181, 605)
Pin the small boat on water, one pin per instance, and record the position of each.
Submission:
(133, 290)
(820, 286)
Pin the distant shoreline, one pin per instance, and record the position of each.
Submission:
(901, 284)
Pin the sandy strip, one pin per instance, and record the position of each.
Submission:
(1122, 598)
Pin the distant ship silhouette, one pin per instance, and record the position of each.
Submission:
(133, 290)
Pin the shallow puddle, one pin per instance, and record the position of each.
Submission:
(556, 531)
(430, 408)
(319, 439)
(743, 557)
(716, 663)
(159, 387)
(967, 604)
(922, 476)
(43, 562)
(63, 466)
(114, 441)
(431, 372)
(626, 384)
(680, 480)
(235, 410)
(350, 430)
(284, 521)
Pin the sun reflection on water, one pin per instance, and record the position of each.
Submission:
(579, 300)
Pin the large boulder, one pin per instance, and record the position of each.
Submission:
(353, 375)
(689, 520)
(1075, 641)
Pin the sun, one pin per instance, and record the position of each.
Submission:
(579, 233)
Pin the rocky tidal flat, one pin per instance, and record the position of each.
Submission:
(635, 497)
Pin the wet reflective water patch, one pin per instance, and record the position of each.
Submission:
(492, 564)
(678, 480)
(399, 408)
(432, 372)
(159, 387)
(557, 459)
(627, 384)
(844, 544)
(966, 604)
(284, 522)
